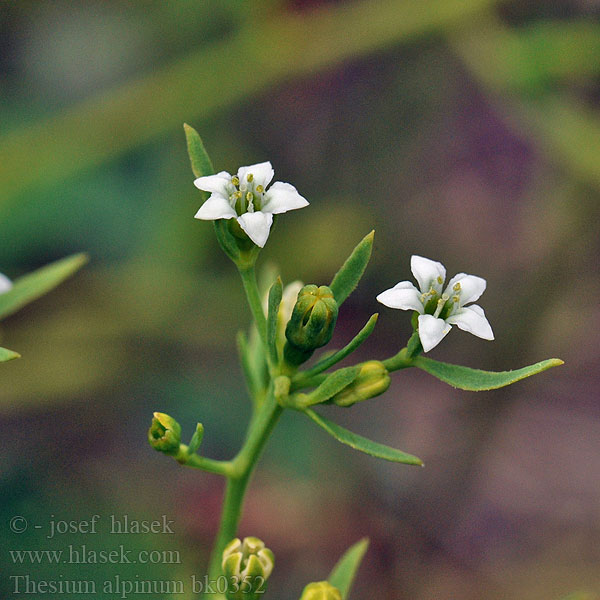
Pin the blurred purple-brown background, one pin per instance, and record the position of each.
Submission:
(466, 131)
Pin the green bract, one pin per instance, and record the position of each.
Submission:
(343, 574)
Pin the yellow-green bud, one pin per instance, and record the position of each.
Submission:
(312, 322)
(246, 565)
(320, 590)
(373, 379)
(164, 434)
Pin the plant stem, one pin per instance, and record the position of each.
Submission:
(404, 358)
(237, 481)
(219, 467)
(248, 275)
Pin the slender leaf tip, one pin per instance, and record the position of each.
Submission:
(344, 572)
(466, 378)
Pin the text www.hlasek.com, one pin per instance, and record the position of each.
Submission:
(83, 555)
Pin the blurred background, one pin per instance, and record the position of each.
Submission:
(466, 131)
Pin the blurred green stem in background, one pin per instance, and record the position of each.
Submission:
(243, 466)
(199, 84)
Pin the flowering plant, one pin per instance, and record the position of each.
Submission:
(288, 326)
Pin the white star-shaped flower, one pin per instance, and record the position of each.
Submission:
(438, 310)
(5, 284)
(245, 197)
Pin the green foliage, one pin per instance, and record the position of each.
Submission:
(361, 443)
(334, 384)
(347, 278)
(196, 440)
(28, 288)
(253, 364)
(275, 294)
(199, 159)
(336, 357)
(344, 572)
(475, 380)
(6, 354)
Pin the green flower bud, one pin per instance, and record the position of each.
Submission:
(164, 434)
(320, 590)
(247, 566)
(373, 379)
(311, 324)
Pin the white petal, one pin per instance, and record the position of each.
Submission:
(427, 272)
(257, 226)
(216, 207)
(220, 183)
(262, 172)
(403, 295)
(282, 197)
(5, 284)
(471, 287)
(432, 331)
(472, 319)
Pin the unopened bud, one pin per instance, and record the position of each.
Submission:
(312, 322)
(373, 379)
(164, 434)
(320, 590)
(246, 565)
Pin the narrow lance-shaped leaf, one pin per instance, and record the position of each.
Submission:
(347, 278)
(344, 572)
(275, 294)
(201, 163)
(36, 284)
(336, 357)
(6, 354)
(335, 383)
(251, 372)
(361, 443)
(196, 440)
(477, 380)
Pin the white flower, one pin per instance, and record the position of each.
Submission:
(245, 197)
(437, 310)
(5, 284)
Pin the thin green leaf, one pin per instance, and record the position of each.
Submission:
(336, 357)
(201, 163)
(251, 374)
(363, 444)
(347, 278)
(6, 354)
(476, 380)
(334, 383)
(196, 440)
(344, 572)
(36, 284)
(275, 294)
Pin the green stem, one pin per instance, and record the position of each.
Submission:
(404, 358)
(242, 467)
(200, 462)
(248, 276)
